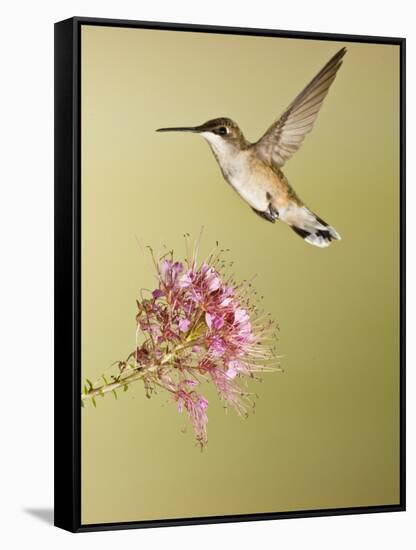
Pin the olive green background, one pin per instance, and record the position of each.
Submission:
(325, 433)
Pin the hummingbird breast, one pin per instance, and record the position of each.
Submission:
(253, 180)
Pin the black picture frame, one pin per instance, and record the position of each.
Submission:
(68, 272)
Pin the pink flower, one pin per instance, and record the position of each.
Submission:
(196, 406)
(198, 326)
(216, 346)
(214, 321)
(184, 324)
(187, 279)
(232, 369)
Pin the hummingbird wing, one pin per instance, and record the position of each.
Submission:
(286, 135)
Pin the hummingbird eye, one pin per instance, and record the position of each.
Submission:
(222, 131)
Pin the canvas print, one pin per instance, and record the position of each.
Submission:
(240, 281)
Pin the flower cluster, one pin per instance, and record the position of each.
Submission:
(197, 326)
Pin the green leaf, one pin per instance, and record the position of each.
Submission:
(89, 383)
(93, 402)
(85, 390)
(115, 394)
(125, 387)
(82, 403)
(105, 379)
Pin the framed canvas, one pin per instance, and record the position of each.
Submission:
(230, 274)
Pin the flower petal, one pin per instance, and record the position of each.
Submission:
(184, 324)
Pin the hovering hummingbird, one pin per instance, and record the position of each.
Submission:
(254, 169)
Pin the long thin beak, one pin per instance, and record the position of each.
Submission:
(179, 129)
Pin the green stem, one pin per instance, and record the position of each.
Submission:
(106, 388)
(137, 374)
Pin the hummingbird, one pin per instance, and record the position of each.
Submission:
(254, 170)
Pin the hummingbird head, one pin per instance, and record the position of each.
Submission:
(222, 134)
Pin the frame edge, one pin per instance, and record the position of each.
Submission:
(66, 365)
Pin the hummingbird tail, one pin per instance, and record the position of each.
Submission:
(318, 233)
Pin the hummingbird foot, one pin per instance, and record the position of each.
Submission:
(271, 214)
